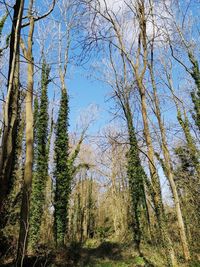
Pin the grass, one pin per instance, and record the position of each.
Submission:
(121, 263)
(110, 254)
(105, 254)
(113, 254)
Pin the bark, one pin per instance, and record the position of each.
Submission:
(169, 170)
(24, 217)
(156, 190)
(115, 197)
(7, 149)
(155, 182)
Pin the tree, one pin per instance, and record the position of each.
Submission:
(41, 161)
(25, 205)
(184, 122)
(135, 171)
(188, 186)
(28, 169)
(186, 45)
(135, 55)
(62, 178)
(9, 134)
(63, 172)
(167, 163)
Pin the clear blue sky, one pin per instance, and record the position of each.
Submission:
(84, 92)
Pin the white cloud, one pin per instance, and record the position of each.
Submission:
(125, 16)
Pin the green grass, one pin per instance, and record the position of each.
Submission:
(115, 264)
(113, 254)
(135, 262)
(194, 264)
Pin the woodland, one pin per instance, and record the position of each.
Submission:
(126, 193)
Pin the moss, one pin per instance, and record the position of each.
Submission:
(139, 261)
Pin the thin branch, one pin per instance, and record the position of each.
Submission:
(43, 16)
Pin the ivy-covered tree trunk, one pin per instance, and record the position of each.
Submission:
(188, 184)
(136, 177)
(41, 162)
(195, 73)
(9, 220)
(91, 207)
(62, 177)
(35, 120)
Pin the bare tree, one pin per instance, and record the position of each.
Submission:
(168, 167)
(24, 218)
(136, 55)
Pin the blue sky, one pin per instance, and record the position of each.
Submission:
(84, 92)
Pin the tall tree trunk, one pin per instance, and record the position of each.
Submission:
(136, 176)
(24, 218)
(41, 162)
(169, 170)
(155, 184)
(157, 197)
(114, 189)
(7, 149)
(62, 174)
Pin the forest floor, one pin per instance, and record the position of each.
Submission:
(113, 254)
(109, 254)
(104, 254)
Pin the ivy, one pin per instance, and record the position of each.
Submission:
(136, 177)
(195, 73)
(62, 174)
(41, 159)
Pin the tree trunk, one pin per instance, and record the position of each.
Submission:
(24, 219)
(169, 171)
(157, 197)
(7, 149)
